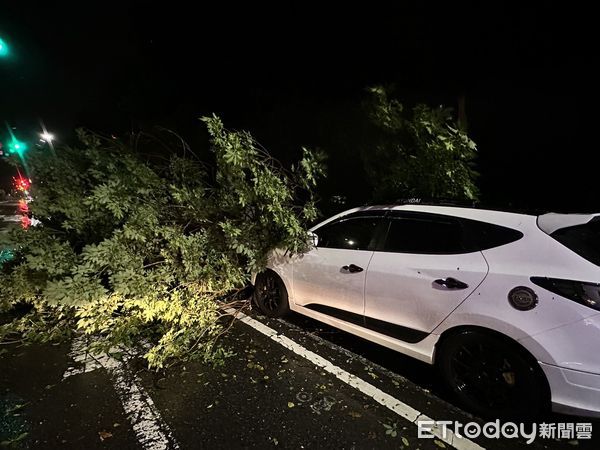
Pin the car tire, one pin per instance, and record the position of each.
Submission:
(491, 376)
(270, 294)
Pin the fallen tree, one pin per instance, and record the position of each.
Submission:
(130, 250)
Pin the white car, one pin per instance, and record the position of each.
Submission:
(506, 305)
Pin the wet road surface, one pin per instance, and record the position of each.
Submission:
(264, 395)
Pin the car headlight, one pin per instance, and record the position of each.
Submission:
(585, 293)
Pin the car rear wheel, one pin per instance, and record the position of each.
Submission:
(492, 377)
(270, 294)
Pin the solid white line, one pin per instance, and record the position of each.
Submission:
(402, 409)
(151, 430)
(84, 362)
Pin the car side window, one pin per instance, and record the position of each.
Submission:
(424, 235)
(356, 233)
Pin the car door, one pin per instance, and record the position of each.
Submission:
(420, 274)
(331, 277)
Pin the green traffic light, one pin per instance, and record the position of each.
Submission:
(3, 48)
(16, 146)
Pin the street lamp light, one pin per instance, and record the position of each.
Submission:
(47, 137)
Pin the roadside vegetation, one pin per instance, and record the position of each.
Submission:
(418, 152)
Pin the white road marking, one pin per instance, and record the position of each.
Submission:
(151, 430)
(84, 362)
(395, 405)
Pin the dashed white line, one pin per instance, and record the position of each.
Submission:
(402, 409)
(150, 429)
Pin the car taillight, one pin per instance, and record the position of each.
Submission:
(585, 293)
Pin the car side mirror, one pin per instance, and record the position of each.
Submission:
(313, 239)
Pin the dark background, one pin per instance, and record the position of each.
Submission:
(294, 74)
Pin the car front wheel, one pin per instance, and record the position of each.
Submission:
(270, 294)
(490, 376)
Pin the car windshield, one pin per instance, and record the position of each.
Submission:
(582, 239)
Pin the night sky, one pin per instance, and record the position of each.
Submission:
(295, 73)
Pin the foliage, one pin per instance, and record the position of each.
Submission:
(131, 251)
(420, 153)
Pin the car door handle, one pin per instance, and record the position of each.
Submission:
(451, 283)
(352, 268)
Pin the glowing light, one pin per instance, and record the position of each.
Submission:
(3, 48)
(48, 137)
(16, 146)
(23, 206)
(25, 222)
(22, 184)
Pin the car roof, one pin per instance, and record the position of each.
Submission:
(509, 219)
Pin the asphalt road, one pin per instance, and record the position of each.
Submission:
(8, 212)
(300, 385)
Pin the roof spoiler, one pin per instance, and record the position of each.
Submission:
(551, 222)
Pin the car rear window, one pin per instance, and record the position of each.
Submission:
(582, 239)
(483, 235)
